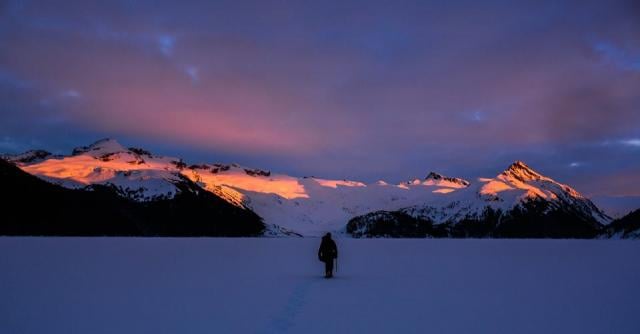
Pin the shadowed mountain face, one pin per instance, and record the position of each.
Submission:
(35, 207)
(627, 227)
(533, 219)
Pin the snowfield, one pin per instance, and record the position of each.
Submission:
(203, 285)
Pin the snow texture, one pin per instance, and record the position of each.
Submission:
(132, 285)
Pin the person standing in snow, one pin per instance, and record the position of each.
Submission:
(327, 252)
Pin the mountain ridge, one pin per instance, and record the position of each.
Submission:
(35, 207)
(309, 206)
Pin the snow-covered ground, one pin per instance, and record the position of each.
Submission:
(132, 285)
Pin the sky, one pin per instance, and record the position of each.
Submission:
(362, 90)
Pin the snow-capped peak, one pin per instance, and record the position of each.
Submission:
(439, 178)
(101, 148)
(520, 171)
(31, 156)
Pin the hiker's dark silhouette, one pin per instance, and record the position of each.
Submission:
(327, 252)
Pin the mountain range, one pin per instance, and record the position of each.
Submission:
(108, 189)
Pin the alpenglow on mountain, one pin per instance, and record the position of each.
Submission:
(517, 202)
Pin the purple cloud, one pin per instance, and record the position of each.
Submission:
(382, 90)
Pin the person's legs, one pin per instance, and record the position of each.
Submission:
(329, 268)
